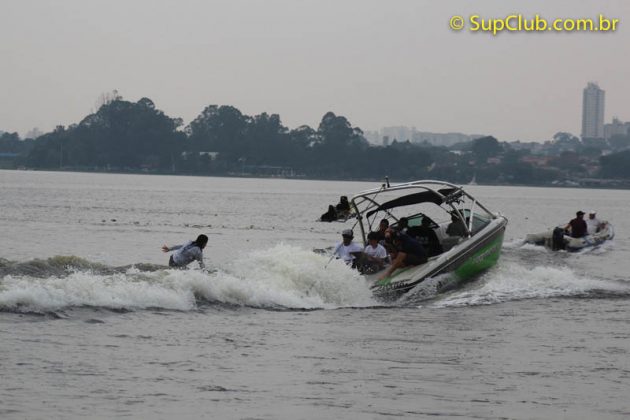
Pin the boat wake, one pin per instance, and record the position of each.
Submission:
(282, 277)
(64, 266)
(279, 278)
(511, 281)
(521, 244)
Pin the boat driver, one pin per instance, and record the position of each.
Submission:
(456, 227)
(577, 226)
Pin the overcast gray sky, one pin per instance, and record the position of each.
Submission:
(377, 62)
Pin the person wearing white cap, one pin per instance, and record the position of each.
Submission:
(347, 250)
(592, 223)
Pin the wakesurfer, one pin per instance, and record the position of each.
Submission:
(187, 253)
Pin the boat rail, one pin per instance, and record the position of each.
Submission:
(441, 193)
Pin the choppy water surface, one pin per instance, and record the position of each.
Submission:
(93, 325)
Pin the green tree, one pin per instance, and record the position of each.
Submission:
(11, 143)
(219, 129)
(120, 134)
(267, 140)
(336, 133)
(486, 147)
(337, 146)
(619, 142)
(616, 165)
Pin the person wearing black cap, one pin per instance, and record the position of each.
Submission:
(347, 250)
(187, 253)
(577, 226)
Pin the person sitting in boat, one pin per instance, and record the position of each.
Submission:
(187, 253)
(408, 252)
(347, 250)
(374, 254)
(426, 236)
(343, 207)
(330, 215)
(382, 228)
(402, 225)
(593, 224)
(456, 227)
(577, 227)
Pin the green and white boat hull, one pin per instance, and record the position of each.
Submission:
(466, 260)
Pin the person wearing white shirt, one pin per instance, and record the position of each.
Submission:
(374, 254)
(593, 224)
(347, 250)
(187, 253)
(373, 248)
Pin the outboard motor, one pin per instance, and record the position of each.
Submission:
(557, 239)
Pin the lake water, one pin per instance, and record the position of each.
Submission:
(274, 333)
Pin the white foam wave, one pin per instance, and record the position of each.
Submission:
(515, 243)
(282, 276)
(120, 291)
(512, 281)
(290, 277)
(532, 247)
(520, 244)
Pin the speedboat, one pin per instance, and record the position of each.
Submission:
(558, 238)
(476, 248)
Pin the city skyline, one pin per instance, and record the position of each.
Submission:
(376, 63)
(594, 125)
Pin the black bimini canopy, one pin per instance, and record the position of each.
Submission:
(416, 198)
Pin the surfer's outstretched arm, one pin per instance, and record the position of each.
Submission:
(165, 248)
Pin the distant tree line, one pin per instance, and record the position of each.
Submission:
(128, 136)
(136, 136)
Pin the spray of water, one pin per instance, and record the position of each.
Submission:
(280, 277)
(513, 281)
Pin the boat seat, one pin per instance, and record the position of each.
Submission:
(450, 241)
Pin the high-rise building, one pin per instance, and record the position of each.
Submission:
(616, 128)
(593, 112)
